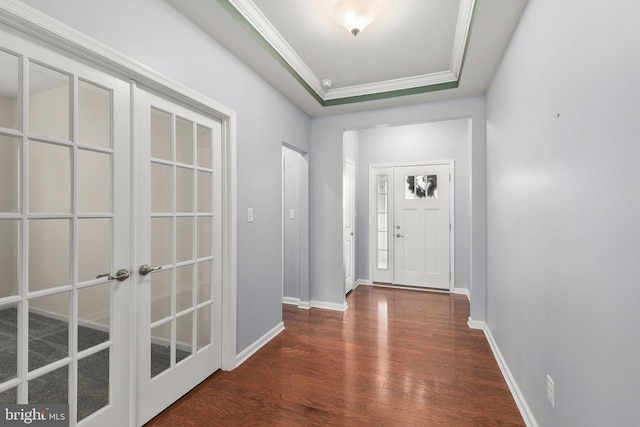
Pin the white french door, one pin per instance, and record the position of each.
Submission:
(410, 225)
(64, 234)
(179, 250)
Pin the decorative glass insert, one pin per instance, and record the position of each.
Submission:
(382, 196)
(421, 187)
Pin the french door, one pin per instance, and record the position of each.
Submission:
(179, 250)
(86, 269)
(64, 234)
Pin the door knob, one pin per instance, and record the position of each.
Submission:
(121, 275)
(146, 269)
(399, 235)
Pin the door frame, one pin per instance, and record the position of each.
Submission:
(50, 32)
(372, 217)
(349, 197)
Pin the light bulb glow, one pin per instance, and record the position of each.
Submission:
(355, 15)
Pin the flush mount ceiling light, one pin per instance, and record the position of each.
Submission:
(355, 15)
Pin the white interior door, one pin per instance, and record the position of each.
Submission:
(64, 232)
(179, 240)
(422, 226)
(349, 224)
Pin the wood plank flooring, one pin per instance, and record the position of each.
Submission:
(394, 358)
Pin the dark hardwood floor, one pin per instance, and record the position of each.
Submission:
(394, 358)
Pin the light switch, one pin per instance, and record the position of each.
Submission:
(292, 214)
(250, 215)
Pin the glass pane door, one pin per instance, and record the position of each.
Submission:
(61, 229)
(180, 241)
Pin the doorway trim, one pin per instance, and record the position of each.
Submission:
(371, 214)
(50, 32)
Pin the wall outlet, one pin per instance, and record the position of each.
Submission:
(551, 392)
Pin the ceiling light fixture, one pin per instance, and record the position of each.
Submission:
(355, 15)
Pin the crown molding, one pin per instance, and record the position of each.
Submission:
(247, 14)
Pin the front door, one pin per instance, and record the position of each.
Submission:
(64, 234)
(179, 250)
(422, 227)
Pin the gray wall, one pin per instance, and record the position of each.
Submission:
(326, 269)
(563, 210)
(155, 34)
(446, 140)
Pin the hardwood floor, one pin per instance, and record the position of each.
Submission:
(394, 358)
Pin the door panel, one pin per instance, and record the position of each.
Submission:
(64, 141)
(179, 239)
(349, 224)
(422, 230)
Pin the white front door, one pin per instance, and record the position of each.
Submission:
(180, 245)
(422, 227)
(349, 224)
(64, 234)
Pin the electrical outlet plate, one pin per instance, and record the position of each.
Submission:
(551, 392)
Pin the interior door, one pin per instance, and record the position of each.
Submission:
(178, 250)
(64, 234)
(422, 226)
(349, 224)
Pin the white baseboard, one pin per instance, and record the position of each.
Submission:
(475, 324)
(364, 282)
(523, 407)
(258, 344)
(291, 301)
(329, 305)
(462, 291)
(303, 305)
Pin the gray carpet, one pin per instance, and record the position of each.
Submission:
(48, 342)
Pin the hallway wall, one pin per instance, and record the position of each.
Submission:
(563, 235)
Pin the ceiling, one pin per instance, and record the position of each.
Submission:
(415, 51)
